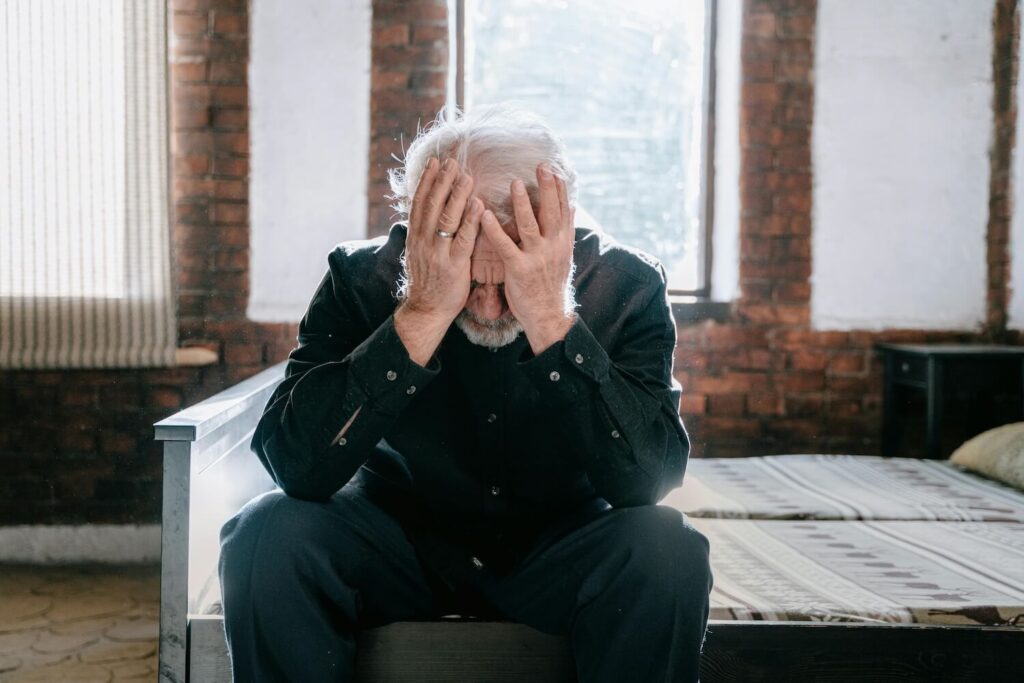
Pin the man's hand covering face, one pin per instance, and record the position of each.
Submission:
(536, 271)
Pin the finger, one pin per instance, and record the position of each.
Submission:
(420, 197)
(568, 215)
(465, 238)
(526, 222)
(550, 211)
(451, 215)
(438, 197)
(563, 202)
(502, 243)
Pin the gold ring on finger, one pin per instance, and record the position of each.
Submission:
(445, 234)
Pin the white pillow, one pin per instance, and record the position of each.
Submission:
(997, 454)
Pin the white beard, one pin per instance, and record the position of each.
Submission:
(490, 333)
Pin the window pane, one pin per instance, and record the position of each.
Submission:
(622, 84)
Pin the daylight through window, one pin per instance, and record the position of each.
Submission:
(624, 85)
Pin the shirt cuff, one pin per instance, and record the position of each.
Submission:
(568, 369)
(381, 365)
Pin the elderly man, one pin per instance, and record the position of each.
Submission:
(480, 418)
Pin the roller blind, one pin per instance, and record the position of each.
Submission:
(85, 261)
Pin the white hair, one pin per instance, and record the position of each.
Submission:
(496, 144)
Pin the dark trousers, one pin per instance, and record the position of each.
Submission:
(629, 588)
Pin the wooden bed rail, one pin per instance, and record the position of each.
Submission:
(735, 651)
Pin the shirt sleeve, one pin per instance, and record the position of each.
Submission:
(344, 386)
(621, 407)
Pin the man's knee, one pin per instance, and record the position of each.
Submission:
(274, 533)
(665, 549)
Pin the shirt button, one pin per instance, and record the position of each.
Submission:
(615, 433)
(342, 441)
(391, 375)
(554, 376)
(476, 562)
(492, 417)
(411, 390)
(579, 358)
(495, 490)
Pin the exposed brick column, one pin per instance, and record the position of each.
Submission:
(1006, 41)
(209, 55)
(776, 112)
(407, 83)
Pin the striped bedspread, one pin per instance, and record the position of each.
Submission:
(924, 572)
(842, 487)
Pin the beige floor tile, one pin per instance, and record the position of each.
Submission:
(30, 659)
(150, 610)
(116, 652)
(140, 628)
(65, 671)
(17, 640)
(74, 626)
(140, 670)
(53, 642)
(9, 663)
(15, 609)
(78, 624)
(89, 606)
(61, 584)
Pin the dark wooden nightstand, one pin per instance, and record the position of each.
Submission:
(941, 372)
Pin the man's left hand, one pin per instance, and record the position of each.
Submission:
(537, 270)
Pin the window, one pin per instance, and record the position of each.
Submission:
(84, 237)
(627, 86)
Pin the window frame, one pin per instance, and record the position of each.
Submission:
(701, 296)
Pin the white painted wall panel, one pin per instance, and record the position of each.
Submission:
(902, 126)
(309, 80)
(725, 269)
(76, 544)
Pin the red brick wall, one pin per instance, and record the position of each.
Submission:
(77, 446)
(407, 88)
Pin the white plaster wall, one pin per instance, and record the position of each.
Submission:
(1015, 306)
(902, 127)
(725, 253)
(64, 544)
(309, 89)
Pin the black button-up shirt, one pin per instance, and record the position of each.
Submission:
(484, 452)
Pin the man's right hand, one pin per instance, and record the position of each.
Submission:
(438, 268)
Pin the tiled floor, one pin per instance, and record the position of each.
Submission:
(78, 624)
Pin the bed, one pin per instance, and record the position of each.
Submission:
(969, 573)
(842, 487)
(804, 589)
(858, 538)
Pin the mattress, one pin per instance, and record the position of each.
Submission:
(965, 573)
(832, 487)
